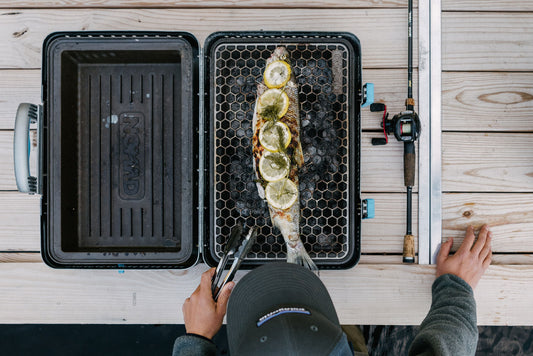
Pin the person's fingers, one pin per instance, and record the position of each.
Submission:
(486, 248)
(487, 260)
(205, 283)
(444, 250)
(481, 239)
(223, 298)
(467, 242)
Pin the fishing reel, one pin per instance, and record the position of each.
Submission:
(405, 126)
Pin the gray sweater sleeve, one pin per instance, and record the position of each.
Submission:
(193, 345)
(450, 327)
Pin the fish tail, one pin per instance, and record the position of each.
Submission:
(298, 255)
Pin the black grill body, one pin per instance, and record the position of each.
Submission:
(146, 148)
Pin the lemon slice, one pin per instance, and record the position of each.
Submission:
(274, 165)
(273, 104)
(277, 74)
(281, 194)
(275, 136)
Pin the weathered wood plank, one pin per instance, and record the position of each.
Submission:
(19, 218)
(384, 233)
(390, 87)
(381, 166)
(481, 101)
(17, 86)
(490, 162)
(509, 215)
(497, 259)
(21, 86)
(486, 5)
(20, 257)
(207, 3)
(20, 222)
(22, 34)
(393, 294)
(487, 41)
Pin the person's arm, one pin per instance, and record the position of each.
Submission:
(203, 318)
(450, 327)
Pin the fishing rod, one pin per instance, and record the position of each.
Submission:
(406, 128)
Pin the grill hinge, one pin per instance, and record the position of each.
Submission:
(201, 155)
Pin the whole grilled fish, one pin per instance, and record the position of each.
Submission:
(288, 220)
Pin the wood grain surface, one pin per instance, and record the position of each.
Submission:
(207, 3)
(510, 217)
(487, 41)
(487, 162)
(367, 294)
(24, 86)
(19, 218)
(382, 32)
(381, 167)
(487, 5)
(487, 101)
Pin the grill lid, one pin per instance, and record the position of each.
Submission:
(120, 147)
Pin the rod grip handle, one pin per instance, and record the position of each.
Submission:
(408, 249)
(409, 164)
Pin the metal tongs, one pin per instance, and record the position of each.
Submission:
(237, 248)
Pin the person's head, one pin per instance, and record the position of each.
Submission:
(281, 309)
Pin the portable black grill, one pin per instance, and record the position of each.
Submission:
(145, 147)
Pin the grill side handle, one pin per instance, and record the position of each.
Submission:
(26, 114)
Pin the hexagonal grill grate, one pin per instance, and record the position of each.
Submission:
(321, 70)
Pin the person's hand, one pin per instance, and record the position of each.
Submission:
(471, 260)
(203, 316)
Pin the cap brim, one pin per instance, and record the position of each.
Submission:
(270, 287)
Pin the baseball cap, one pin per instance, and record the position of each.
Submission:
(281, 309)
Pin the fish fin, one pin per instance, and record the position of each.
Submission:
(299, 256)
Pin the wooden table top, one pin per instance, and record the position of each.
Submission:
(487, 156)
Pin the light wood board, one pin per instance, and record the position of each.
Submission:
(487, 101)
(381, 166)
(487, 162)
(19, 218)
(24, 86)
(366, 294)
(382, 32)
(509, 215)
(389, 259)
(487, 5)
(490, 41)
(208, 3)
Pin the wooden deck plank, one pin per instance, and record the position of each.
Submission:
(17, 86)
(392, 294)
(509, 215)
(381, 166)
(384, 233)
(22, 33)
(20, 222)
(206, 3)
(20, 257)
(19, 218)
(385, 259)
(487, 5)
(487, 162)
(24, 86)
(490, 41)
(487, 101)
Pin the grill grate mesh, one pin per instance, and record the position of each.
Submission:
(321, 72)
